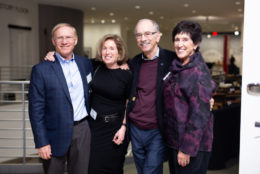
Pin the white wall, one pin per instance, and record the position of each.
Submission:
(236, 48)
(93, 33)
(212, 49)
(22, 13)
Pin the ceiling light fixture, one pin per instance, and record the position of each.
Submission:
(236, 33)
(103, 21)
(186, 5)
(239, 10)
(194, 11)
(137, 7)
(93, 8)
(237, 3)
(161, 17)
(113, 21)
(125, 18)
(151, 13)
(111, 14)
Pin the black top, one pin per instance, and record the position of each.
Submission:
(110, 89)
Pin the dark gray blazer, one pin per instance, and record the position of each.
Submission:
(165, 59)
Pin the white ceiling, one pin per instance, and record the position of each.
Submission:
(213, 15)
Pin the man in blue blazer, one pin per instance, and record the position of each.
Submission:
(59, 108)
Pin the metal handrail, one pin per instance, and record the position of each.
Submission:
(23, 110)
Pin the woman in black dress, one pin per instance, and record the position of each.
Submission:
(110, 88)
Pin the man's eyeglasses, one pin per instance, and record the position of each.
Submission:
(67, 38)
(145, 34)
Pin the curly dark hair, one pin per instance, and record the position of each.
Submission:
(191, 28)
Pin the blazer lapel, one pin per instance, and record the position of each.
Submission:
(59, 72)
(161, 65)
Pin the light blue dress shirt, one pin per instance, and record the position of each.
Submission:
(75, 86)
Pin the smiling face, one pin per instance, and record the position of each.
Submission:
(147, 37)
(110, 54)
(184, 46)
(64, 41)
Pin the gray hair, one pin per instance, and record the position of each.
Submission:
(156, 26)
(56, 27)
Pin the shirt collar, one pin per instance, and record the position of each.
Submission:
(63, 60)
(155, 57)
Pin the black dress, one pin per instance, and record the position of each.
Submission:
(110, 88)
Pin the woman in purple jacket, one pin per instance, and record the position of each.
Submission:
(187, 90)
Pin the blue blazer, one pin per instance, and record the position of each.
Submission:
(50, 106)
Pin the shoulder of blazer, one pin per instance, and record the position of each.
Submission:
(43, 65)
(167, 54)
(87, 65)
(135, 61)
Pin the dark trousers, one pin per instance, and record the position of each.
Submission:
(148, 150)
(197, 165)
(77, 157)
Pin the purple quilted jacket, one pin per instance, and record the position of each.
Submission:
(187, 116)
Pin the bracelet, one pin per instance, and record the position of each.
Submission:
(124, 124)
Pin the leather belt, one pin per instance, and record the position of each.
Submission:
(108, 118)
(80, 121)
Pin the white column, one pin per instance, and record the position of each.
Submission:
(249, 162)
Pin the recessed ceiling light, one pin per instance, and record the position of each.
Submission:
(137, 7)
(161, 17)
(237, 2)
(93, 8)
(239, 10)
(209, 36)
(92, 21)
(113, 21)
(151, 13)
(186, 5)
(111, 14)
(103, 21)
(236, 33)
(125, 18)
(194, 11)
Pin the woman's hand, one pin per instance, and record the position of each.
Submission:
(50, 56)
(124, 66)
(120, 135)
(183, 159)
(211, 102)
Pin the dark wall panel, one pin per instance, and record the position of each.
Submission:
(49, 16)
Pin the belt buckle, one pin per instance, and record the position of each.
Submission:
(106, 119)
